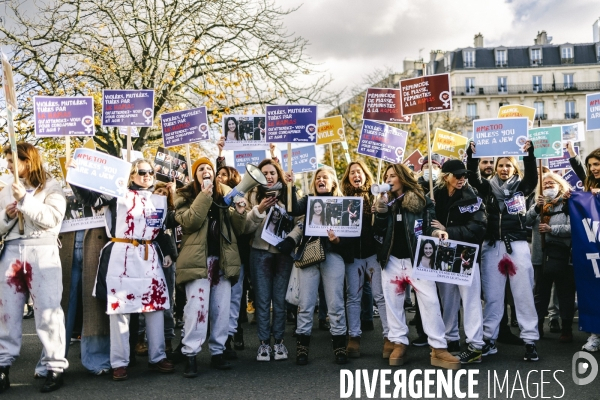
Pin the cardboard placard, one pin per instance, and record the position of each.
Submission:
(382, 141)
(384, 105)
(343, 215)
(424, 94)
(122, 107)
(243, 132)
(99, 172)
(500, 137)
(291, 124)
(63, 116)
(449, 144)
(330, 130)
(546, 141)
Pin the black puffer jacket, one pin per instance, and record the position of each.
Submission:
(501, 224)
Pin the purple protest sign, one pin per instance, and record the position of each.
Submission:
(573, 180)
(121, 107)
(382, 141)
(290, 124)
(184, 127)
(63, 116)
(562, 162)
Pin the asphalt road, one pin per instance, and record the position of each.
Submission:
(320, 379)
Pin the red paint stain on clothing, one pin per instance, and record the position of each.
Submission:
(1, 302)
(114, 305)
(129, 220)
(506, 266)
(125, 262)
(143, 200)
(201, 290)
(113, 291)
(202, 314)
(401, 284)
(19, 276)
(214, 272)
(155, 298)
(200, 298)
(5, 318)
(130, 296)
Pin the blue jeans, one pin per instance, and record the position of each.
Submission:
(270, 277)
(75, 289)
(322, 302)
(237, 291)
(95, 353)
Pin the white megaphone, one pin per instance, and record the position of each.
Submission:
(252, 179)
(377, 189)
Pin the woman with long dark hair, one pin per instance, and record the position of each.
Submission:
(427, 254)
(232, 130)
(317, 213)
(30, 263)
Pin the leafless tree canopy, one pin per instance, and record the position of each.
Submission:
(230, 55)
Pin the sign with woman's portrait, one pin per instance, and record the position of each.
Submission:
(279, 224)
(341, 214)
(244, 132)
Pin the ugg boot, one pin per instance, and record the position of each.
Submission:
(388, 347)
(302, 344)
(4, 381)
(397, 356)
(141, 347)
(353, 348)
(441, 358)
(339, 348)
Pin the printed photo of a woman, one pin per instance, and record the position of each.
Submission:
(317, 211)
(426, 254)
(231, 129)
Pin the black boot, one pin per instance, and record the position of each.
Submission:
(191, 370)
(218, 362)
(4, 381)
(302, 344)
(54, 380)
(339, 348)
(177, 355)
(238, 339)
(29, 313)
(229, 353)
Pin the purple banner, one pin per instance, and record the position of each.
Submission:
(63, 116)
(562, 162)
(121, 107)
(382, 141)
(184, 127)
(289, 124)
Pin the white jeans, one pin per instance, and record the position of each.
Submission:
(520, 275)
(119, 338)
(395, 277)
(355, 278)
(236, 299)
(451, 295)
(33, 269)
(206, 300)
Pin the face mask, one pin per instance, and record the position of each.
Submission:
(550, 193)
(434, 175)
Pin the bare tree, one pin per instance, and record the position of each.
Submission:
(229, 55)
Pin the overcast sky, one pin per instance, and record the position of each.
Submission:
(351, 38)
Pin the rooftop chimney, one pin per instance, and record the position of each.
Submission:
(541, 38)
(478, 40)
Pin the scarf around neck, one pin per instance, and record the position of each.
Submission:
(504, 190)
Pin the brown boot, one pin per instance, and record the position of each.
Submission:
(168, 346)
(441, 358)
(353, 347)
(388, 347)
(397, 356)
(141, 347)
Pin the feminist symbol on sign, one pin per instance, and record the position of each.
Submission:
(148, 115)
(445, 98)
(399, 154)
(87, 122)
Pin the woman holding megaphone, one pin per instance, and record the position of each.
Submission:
(208, 263)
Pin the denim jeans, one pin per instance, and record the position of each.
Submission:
(366, 301)
(75, 289)
(95, 353)
(322, 302)
(270, 276)
(237, 291)
(332, 271)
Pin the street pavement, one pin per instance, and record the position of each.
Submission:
(320, 379)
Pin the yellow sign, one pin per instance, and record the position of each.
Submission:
(449, 144)
(89, 144)
(517, 110)
(330, 130)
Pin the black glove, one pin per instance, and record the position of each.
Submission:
(286, 246)
(530, 150)
(469, 151)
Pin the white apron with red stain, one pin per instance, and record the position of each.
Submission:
(134, 284)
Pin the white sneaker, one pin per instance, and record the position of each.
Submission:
(593, 344)
(281, 352)
(264, 352)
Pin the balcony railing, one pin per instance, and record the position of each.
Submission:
(469, 64)
(525, 89)
(537, 62)
(472, 117)
(571, 115)
(501, 64)
(568, 60)
(541, 116)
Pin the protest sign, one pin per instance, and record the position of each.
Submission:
(414, 159)
(574, 132)
(449, 144)
(79, 217)
(134, 131)
(562, 162)
(426, 94)
(99, 172)
(279, 224)
(184, 127)
(592, 108)
(304, 159)
(170, 166)
(384, 105)
(446, 261)
(517, 110)
(243, 132)
(122, 107)
(584, 210)
(134, 154)
(291, 123)
(63, 116)
(499, 136)
(244, 157)
(343, 215)
(330, 130)
(546, 141)
(382, 141)
(571, 177)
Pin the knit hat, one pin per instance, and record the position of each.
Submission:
(198, 162)
(435, 160)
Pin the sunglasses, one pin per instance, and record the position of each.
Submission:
(143, 172)
(460, 176)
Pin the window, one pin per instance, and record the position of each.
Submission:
(539, 109)
(469, 57)
(447, 62)
(568, 79)
(536, 56)
(502, 86)
(472, 111)
(537, 83)
(570, 110)
(598, 53)
(470, 85)
(501, 58)
(503, 103)
(566, 54)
